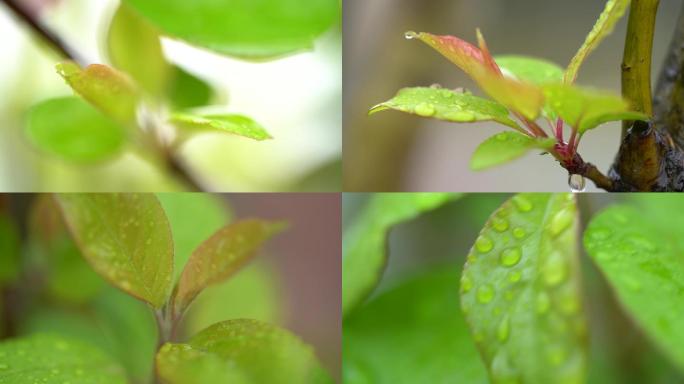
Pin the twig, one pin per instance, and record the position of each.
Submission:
(602, 181)
(177, 167)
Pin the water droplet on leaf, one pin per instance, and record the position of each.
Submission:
(519, 233)
(466, 283)
(560, 222)
(410, 35)
(484, 244)
(510, 256)
(522, 203)
(503, 329)
(425, 109)
(485, 294)
(500, 224)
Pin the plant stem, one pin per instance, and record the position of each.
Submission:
(179, 170)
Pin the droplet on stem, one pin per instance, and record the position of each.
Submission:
(577, 183)
(410, 35)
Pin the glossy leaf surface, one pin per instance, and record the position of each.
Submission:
(235, 124)
(530, 69)
(504, 147)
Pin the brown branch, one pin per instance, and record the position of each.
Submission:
(180, 171)
(602, 181)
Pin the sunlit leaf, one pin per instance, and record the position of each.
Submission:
(445, 104)
(54, 359)
(70, 128)
(604, 26)
(414, 333)
(504, 147)
(217, 258)
(244, 351)
(520, 292)
(109, 90)
(126, 238)
(530, 69)
(188, 91)
(9, 249)
(252, 29)
(235, 124)
(363, 244)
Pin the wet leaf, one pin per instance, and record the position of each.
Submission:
(251, 29)
(414, 333)
(242, 351)
(604, 26)
(504, 147)
(530, 69)
(217, 258)
(9, 249)
(70, 128)
(363, 243)
(520, 292)
(445, 104)
(235, 124)
(54, 359)
(126, 238)
(187, 90)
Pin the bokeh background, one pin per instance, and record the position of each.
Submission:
(297, 99)
(392, 151)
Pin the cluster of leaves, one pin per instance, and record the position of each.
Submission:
(522, 89)
(521, 302)
(144, 103)
(135, 242)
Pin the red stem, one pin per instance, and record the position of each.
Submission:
(559, 130)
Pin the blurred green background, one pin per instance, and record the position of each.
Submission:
(297, 99)
(392, 151)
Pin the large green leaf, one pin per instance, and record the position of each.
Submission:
(126, 238)
(504, 147)
(414, 333)
(639, 249)
(604, 26)
(520, 292)
(9, 249)
(70, 128)
(530, 69)
(252, 29)
(235, 124)
(363, 244)
(445, 104)
(53, 359)
(242, 351)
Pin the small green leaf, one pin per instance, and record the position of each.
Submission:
(604, 26)
(363, 243)
(242, 351)
(414, 333)
(187, 90)
(445, 104)
(220, 256)
(109, 90)
(53, 359)
(9, 250)
(504, 147)
(235, 124)
(586, 108)
(639, 249)
(520, 292)
(251, 29)
(530, 69)
(70, 128)
(126, 238)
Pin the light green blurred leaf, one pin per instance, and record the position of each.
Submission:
(9, 250)
(70, 128)
(187, 90)
(520, 292)
(251, 29)
(530, 69)
(126, 238)
(414, 333)
(504, 147)
(363, 244)
(236, 124)
(246, 351)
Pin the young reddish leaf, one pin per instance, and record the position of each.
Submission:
(604, 26)
(235, 124)
(111, 91)
(504, 147)
(220, 256)
(126, 238)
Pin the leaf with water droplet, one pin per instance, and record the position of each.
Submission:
(54, 359)
(504, 147)
(363, 242)
(419, 317)
(126, 238)
(241, 351)
(524, 302)
(221, 255)
(190, 123)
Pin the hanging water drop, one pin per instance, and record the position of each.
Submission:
(410, 35)
(577, 183)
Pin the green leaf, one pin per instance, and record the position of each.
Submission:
(221, 255)
(414, 333)
(126, 238)
(445, 104)
(109, 90)
(363, 243)
(70, 128)
(187, 90)
(53, 359)
(530, 69)
(586, 108)
(235, 124)
(520, 292)
(639, 249)
(9, 250)
(604, 26)
(242, 351)
(251, 29)
(135, 48)
(504, 147)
